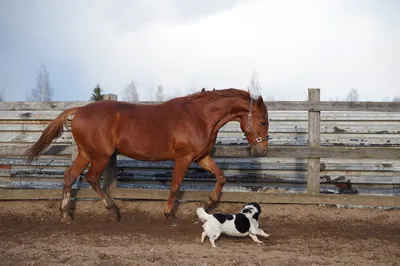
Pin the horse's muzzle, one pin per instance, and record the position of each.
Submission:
(259, 150)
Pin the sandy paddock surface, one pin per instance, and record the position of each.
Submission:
(31, 234)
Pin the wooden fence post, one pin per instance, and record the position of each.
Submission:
(110, 173)
(314, 141)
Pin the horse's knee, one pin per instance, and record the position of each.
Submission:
(221, 179)
(174, 189)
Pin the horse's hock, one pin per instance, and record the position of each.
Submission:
(340, 153)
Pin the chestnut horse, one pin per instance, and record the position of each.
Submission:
(183, 130)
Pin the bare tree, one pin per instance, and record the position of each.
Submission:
(396, 99)
(193, 87)
(160, 93)
(43, 91)
(176, 93)
(254, 87)
(130, 93)
(353, 95)
(1, 98)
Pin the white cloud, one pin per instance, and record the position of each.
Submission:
(293, 45)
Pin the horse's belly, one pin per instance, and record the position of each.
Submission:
(144, 152)
(145, 157)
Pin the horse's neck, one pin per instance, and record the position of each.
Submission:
(221, 113)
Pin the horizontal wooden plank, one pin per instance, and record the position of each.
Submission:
(246, 176)
(30, 137)
(333, 106)
(272, 105)
(24, 126)
(42, 115)
(228, 162)
(357, 127)
(35, 106)
(154, 194)
(7, 150)
(18, 149)
(225, 138)
(347, 127)
(305, 152)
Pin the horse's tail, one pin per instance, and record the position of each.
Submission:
(53, 130)
(202, 214)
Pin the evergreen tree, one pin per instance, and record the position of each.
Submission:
(97, 94)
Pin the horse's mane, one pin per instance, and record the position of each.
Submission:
(212, 95)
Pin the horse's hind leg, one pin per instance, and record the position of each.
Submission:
(70, 175)
(93, 178)
(208, 164)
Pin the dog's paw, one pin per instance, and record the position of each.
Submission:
(266, 235)
(259, 242)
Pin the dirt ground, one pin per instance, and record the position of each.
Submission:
(31, 234)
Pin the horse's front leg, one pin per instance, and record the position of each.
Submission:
(208, 164)
(180, 167)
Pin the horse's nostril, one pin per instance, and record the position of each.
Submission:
(264, 152)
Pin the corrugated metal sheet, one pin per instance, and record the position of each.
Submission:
(380, 177)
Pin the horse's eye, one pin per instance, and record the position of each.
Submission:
(263, 123)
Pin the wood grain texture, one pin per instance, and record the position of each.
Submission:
(314, 141)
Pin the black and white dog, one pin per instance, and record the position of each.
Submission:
(244, 223)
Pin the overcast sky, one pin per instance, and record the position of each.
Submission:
(334, 45)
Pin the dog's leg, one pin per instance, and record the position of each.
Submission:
(203, 236)
(255, 239)
(213, 238)
(261, 232)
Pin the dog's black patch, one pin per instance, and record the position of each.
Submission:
(246, 210)
(255, 204)
(256, 215)
(220, 217)
(242, 224)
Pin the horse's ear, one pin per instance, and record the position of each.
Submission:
(203, 90)
(260, 101)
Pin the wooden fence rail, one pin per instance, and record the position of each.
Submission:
(311, 141)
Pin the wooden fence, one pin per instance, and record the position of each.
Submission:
(345, 153)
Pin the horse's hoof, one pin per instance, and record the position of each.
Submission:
(168, 216)
(67, 219)
(170, 220)
(115, 216)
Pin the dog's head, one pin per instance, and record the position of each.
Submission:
(251, 210)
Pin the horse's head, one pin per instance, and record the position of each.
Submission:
(255, 127)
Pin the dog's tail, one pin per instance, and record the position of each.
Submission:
(202, 214)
